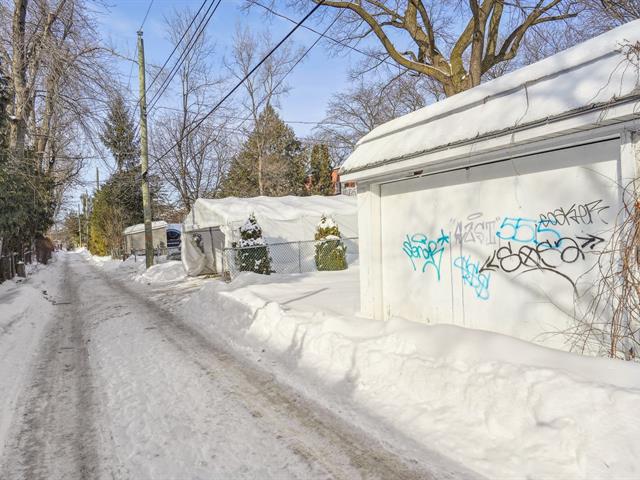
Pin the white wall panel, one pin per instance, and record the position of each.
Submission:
(472, 247)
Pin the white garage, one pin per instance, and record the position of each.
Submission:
(489, 209)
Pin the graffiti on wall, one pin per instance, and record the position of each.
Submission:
(425, 252)
(522, 245)
(475, 229)
(576, 214)
(474, 276)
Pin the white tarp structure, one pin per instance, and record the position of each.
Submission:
(213, 224)
(489, 209)
(134, 236)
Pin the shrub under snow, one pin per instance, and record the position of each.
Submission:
(253, 254)
(330, 250)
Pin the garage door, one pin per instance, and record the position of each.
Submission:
(508, 246)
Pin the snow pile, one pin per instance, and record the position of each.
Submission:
(25, 307)
(502, 406)
(167, 272)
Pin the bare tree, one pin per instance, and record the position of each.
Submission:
(355, 112)
(264, 87)
(57, 71)
(195, 166)
(619, 11)
(601, 15)
(423, 35)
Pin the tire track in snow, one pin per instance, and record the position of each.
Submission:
(311, 433)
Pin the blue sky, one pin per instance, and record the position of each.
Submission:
(312, 82)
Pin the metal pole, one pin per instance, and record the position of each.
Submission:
(144, 156)
(86, 218)
(79, 228)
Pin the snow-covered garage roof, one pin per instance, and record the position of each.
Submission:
(140, 227)
(592, 74)
(286, 218)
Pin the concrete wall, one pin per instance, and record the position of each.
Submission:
(509, 246)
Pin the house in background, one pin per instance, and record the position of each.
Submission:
(339, 188)
(489, 209)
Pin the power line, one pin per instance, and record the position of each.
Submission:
(141, 25)
(183, 56)
(146, 14)
(324, 35)
(296, 63)
(284, 77)
(153, 80)
(251, 72)
(157, 75)
(234, 117)
(244, 79)
(202, 25)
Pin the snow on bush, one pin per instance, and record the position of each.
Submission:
(253, 253)
(330, 250)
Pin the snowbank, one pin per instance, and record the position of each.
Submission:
(499, 405)
(25, 307)
(167, 272)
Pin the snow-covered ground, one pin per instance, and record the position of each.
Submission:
(24, 308)
(501, 406)
(443, 395)
(108, 383)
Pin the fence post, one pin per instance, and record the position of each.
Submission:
(299, 257)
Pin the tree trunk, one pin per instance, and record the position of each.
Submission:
(19, 79)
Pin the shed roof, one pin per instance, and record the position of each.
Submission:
(595, 73)
(140, 227)
(232, 211)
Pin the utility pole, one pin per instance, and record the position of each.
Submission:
(144, 156)
(79, 228)
(86, 218)
(97, 179)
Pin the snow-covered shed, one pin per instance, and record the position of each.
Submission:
(134, 236)
(214, 224)
(488, 209)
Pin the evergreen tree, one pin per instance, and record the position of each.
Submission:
(330, 250)
(117, 205)
(253, 253)
(270, 163)
(118, 135)
(320, 171)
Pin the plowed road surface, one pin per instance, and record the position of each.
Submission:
(100, 382)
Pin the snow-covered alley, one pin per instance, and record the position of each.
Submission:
(100, 381)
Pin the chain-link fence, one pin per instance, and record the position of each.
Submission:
(290, 257)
